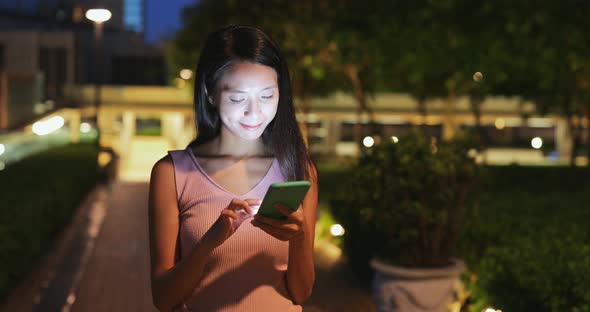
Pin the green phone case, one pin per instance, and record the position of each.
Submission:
(290, 194)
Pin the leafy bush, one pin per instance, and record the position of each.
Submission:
(405, 202)
(528, 243)
(38, 196)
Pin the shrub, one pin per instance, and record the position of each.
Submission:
(405, 202)
(38, 196)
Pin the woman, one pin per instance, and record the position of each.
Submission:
(209, 249)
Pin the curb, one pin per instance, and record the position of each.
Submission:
(32, 290)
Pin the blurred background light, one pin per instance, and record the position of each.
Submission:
(2, 148)
(186, 74)
(394, 139)
(98, 15)
(46, 127)
(85, 127)
(337, 230)
(368, 141)
(500, 123)
(537, 142)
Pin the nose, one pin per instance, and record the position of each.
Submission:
(253, 107)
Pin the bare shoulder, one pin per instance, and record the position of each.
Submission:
(162, 190)
(163, 163)
(162, 169)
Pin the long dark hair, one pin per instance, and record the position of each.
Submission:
(282, 137)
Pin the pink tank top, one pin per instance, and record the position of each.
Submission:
(247, 272)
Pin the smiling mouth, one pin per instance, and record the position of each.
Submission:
(251, 127)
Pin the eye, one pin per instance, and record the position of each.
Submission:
(236, 100)
(267, 96)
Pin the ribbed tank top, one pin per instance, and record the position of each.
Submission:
(245, 273)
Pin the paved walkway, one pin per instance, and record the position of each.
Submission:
(112, 273)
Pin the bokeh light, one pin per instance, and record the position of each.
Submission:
(98, 15)
(537, 142)
(48, 126)
(337, 230)
(368, 141)
(186, 74)
(85, 127)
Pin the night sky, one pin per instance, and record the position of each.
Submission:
(163, 17)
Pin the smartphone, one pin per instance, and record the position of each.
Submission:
(290, 194)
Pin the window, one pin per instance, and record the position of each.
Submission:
(133, 15)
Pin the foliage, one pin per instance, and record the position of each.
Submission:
(527, 243)
(39, 195)
(405, 201)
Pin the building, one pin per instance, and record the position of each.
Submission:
(47, 45)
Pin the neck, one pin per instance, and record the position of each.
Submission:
(227, 144)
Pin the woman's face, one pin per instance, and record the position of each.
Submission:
(247, 97)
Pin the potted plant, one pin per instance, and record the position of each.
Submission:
(402, 210)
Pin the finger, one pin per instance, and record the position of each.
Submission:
(237, 204)
(253, 204)
(283, 225)
(270, 221)
(278, 234)
(230, 213)
(253, 201)
(283, 209)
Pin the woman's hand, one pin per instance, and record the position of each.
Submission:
(229, 220)
(282, 229)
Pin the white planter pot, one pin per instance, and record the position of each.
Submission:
(416, 290)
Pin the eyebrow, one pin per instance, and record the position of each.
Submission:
(233, 90)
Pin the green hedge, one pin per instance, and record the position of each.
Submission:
(38, 195)
(527, 243)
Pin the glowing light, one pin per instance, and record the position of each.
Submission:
(46, 127)
(186, 74)
(104, 159)
(368, 141)
(2, 165)
(2, 148)
(337, 230)
(394, 139)
(85, 127)
(537, 142)
(492, 310)
(98, 15)
(500, 124)
(472, 153)
(477, 76)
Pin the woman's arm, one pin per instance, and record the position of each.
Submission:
(170, 283)
(173, 282)
(299, 230)
(300, 271)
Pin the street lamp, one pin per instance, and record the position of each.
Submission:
(98, 16)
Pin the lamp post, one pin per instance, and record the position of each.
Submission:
(98, 17)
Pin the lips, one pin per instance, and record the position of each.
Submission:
(250, 127)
